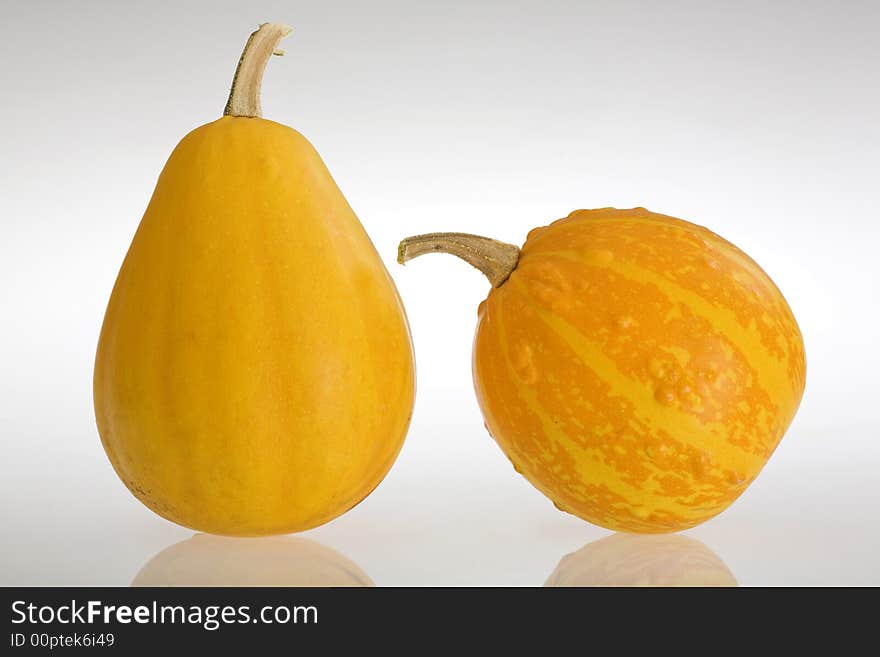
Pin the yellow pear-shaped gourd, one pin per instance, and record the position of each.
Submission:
(254, 373)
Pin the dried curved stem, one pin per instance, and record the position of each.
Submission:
(244, 96)
(495, 259)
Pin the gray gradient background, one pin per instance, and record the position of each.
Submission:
(757, 119)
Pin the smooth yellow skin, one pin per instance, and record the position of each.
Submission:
(255, 372)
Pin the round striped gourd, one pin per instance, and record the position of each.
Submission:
(638, 369)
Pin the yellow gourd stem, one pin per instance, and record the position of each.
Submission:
(495, 259)
(244, 96)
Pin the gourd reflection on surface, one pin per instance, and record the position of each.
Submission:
(206, 560)
(642, 560)
(254, 373)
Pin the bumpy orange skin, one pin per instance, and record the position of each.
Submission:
(638, 369)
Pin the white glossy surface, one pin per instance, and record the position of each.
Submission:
(757, 120)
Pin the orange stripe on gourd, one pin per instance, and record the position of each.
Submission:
(702, 262)
(613, 450)
(681, 355)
